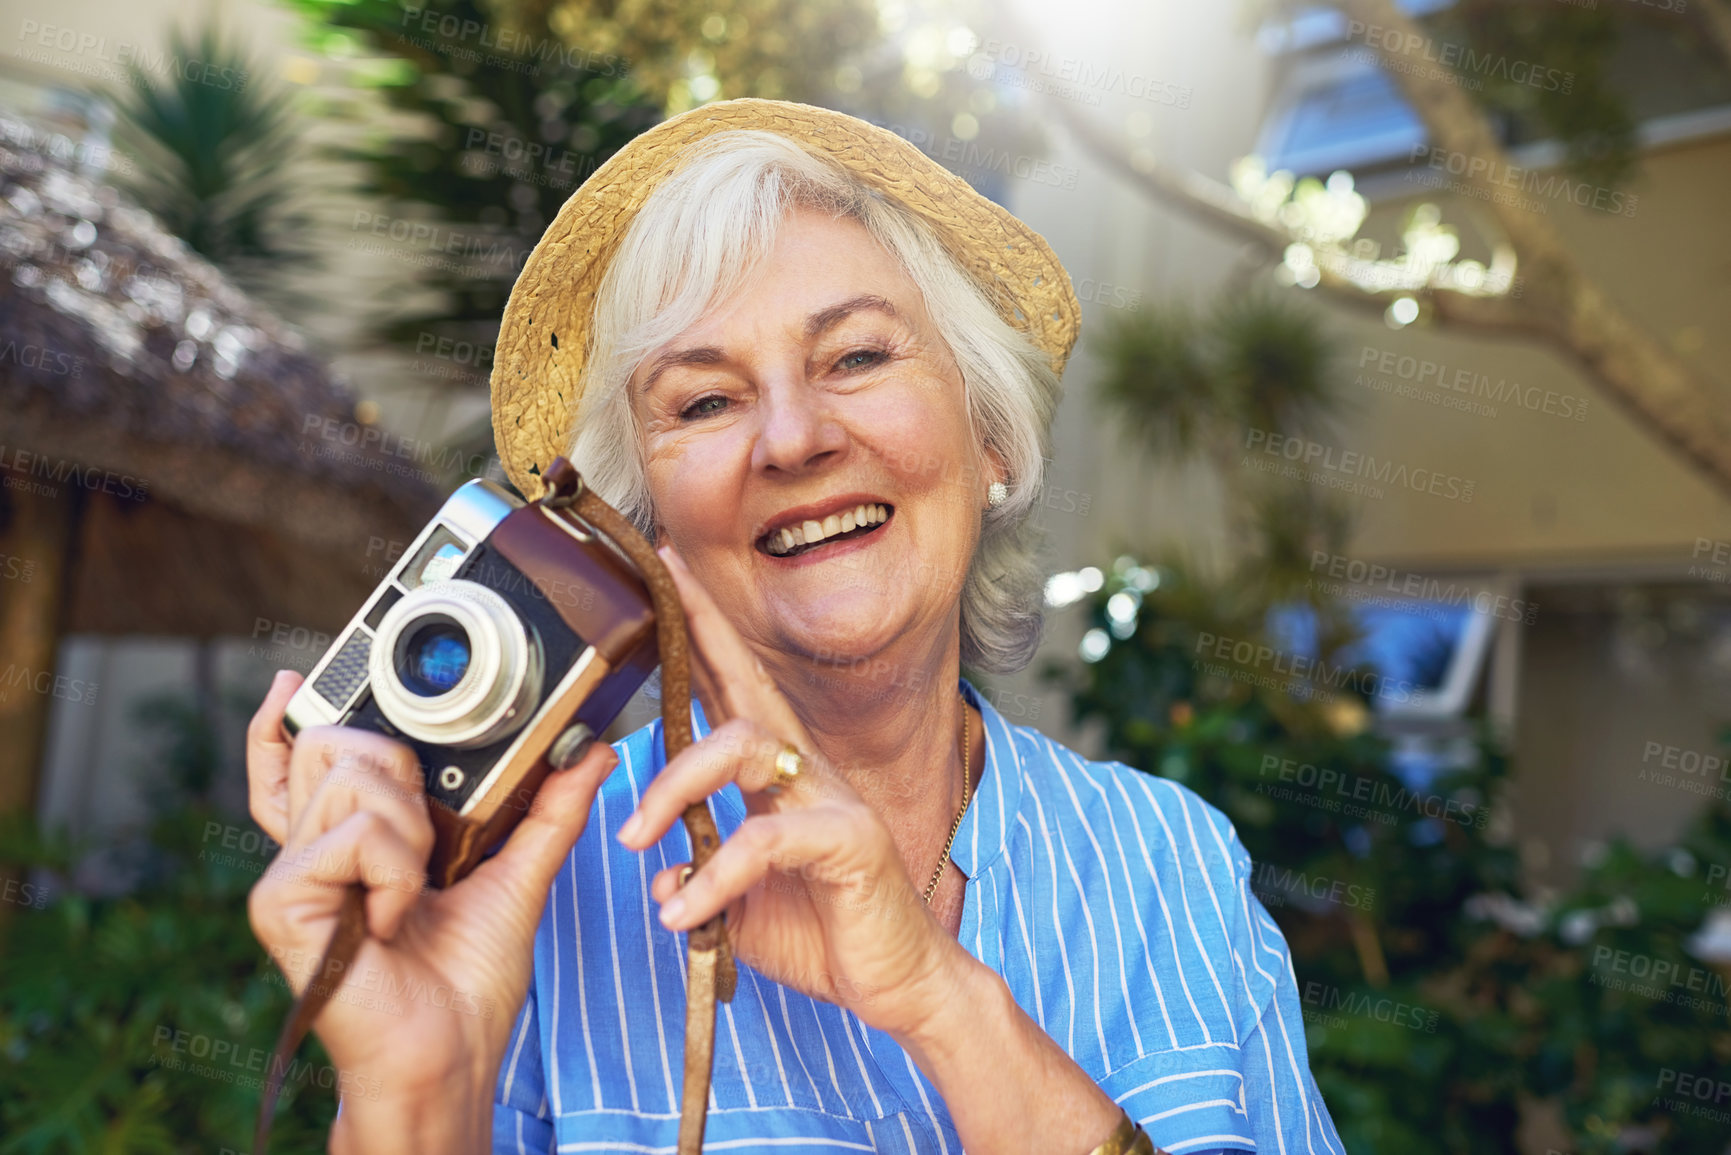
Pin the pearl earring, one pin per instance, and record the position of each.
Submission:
(996, 494)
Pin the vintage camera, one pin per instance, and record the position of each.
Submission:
(500, 646)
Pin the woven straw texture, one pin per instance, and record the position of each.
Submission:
(538, 367)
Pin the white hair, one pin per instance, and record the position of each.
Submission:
(697, 240)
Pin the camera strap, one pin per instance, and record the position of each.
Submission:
(710, 972)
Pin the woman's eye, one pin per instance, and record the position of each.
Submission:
(704, 407)
(860, 359)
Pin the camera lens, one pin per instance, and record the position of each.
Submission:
(435, 657)
(453, 664)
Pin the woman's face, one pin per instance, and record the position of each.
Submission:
(822, 388)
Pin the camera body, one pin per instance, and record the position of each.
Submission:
(498, 648)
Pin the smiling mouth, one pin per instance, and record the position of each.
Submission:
(794, 540)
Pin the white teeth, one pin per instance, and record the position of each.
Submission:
(784, 541)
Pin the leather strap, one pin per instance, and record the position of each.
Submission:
(345, 943)
(710, 972)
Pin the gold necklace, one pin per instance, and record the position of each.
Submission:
(967, 773)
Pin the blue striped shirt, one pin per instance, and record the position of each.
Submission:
(1116, 906)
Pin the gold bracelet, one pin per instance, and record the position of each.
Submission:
(1127, 1138)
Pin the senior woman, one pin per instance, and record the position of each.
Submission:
(819, 370)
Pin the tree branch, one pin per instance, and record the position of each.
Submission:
(1559, 305)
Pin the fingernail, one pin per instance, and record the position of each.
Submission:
(632, 827)
(672, 910)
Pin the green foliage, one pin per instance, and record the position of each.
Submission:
(1530, 1002)
(1186, 383)
(1575, 101)
(215, 149)
(509, 122)
(143, 1023)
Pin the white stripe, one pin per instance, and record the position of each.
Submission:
(724, 1145)
(1184, 891)
(1166, 908)
(649, 933)
(1184, 1075)
(1202, 1141)
(769, 1033)
(1136, 907)
(847, 1020)
(1111, 905)
(517, 1051)
(1057, 925)
(613, 946)
(787, 1021)
(920, 1086)
(1094, 993)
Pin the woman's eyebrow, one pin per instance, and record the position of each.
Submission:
(828, 318)
(700, 355)
(815, 325)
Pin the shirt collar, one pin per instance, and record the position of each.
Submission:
(985, 828)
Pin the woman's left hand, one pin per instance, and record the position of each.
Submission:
(815, 892)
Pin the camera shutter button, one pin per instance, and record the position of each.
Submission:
(569, 747)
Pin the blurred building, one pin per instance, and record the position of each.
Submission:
(1611, 683)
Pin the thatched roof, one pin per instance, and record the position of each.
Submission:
(133, 369)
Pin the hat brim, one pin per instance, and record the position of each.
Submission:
(539, 363)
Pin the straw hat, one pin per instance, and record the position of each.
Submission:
(538, 367)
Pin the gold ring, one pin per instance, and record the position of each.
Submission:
(789, 764)
(685, 873)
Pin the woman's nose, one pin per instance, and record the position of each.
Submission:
(797, 431)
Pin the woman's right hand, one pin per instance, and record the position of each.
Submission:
(422, 1017)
